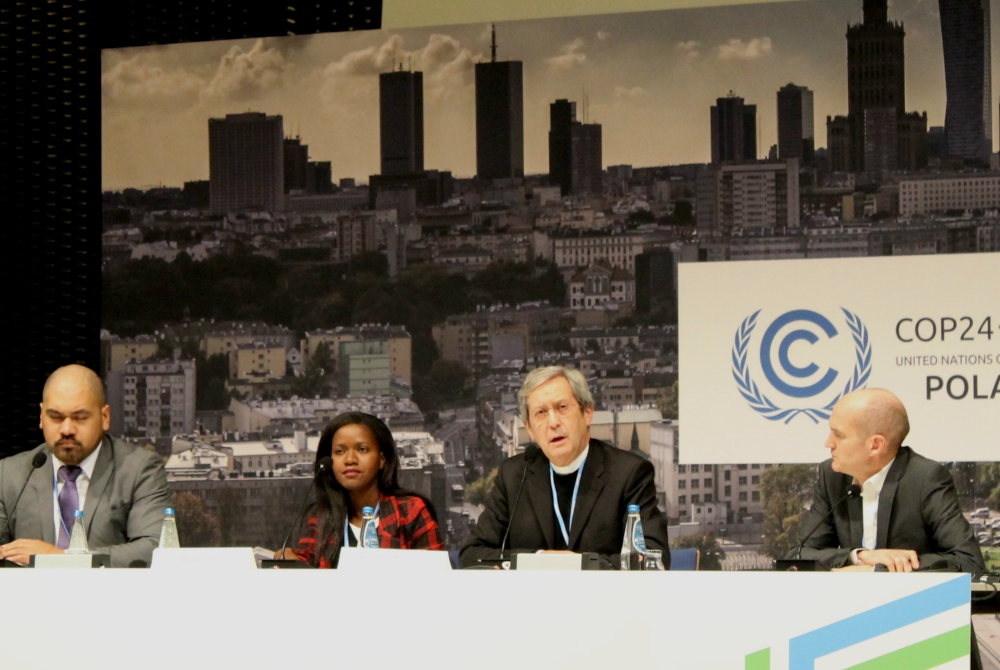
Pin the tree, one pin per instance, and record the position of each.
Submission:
(785, 488)
(196, 526)
(683, 212)
(707, 544)
(449, 378)
(318, 368)
(210, 382)
(668, 403)
(477, 491)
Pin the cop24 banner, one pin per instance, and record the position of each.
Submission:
(767, 348)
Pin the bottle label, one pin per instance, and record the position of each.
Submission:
(638, 539)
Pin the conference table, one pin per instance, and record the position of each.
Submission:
(225, 618)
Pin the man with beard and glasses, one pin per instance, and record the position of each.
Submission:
(121, 489)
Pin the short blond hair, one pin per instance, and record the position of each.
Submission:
(538, 376)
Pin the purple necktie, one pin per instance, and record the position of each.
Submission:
(69, 502)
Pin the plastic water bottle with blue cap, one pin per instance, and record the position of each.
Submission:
(634, 542)
(369, 531)
(169, 539)
(78, 536)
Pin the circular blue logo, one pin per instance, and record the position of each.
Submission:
(760, 402)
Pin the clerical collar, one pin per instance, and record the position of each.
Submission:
(574, 466)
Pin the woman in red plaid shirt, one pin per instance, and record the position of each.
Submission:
(365, 469)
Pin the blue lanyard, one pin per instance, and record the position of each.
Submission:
(572, 505)
(361, 540)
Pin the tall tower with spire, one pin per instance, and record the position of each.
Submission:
(499, 117)
(877, 134)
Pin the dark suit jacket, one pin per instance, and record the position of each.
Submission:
(123, 512)
(612, 479)
(917, 509)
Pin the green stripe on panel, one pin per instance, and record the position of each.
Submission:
(759, 660)
(923, 655)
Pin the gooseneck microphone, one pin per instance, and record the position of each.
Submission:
(325, 463)
(36, 462)
(853, 491)
(530, 453)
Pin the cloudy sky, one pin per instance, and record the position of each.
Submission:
(650, 79)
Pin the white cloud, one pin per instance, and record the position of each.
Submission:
(132, 81)
(689, 50)
(570, 57)
(243, 75)
(603, 35)
(447, 69)
(624, 93)
(737, 49)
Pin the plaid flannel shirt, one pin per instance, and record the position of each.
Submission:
(404, 523)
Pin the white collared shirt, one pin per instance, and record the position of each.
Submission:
(870, 492)
(82, 484)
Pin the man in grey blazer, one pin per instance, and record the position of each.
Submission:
(907, 516)
(122, 489)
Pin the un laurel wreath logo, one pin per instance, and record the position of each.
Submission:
(763, 405)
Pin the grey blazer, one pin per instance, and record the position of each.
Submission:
(123, 512)
(917, 509)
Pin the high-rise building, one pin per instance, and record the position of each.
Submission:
(401, 122)
(796, 137)
(296, 160)
(965, 37)
(877, 134)
(588, 172)
(575, 151)
(562, 115)
(499, 118)
(152, 398)
(734, 130)
(749, 195)
(246, 166)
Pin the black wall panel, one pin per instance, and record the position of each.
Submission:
(50, 172)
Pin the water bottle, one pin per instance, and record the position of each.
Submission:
(369, 533)
(78, 536)
(634, 543)
(168, 533)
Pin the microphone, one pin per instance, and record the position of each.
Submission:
(325, 463)
(853, 491)
(36, 462)
(530, 454)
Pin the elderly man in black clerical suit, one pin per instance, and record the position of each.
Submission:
(575, 492)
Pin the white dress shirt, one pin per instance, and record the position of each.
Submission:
(82, 484)
(870, 492)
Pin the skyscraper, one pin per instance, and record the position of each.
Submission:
(588, 170)
(246, 167)
(499, 118)
(965, 36)
(575, 151)
(562, 115)
(796, 138)
(401, 122)
(734, 130)
(296, 159)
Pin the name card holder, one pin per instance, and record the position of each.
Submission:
(204, 559)
(70, 561)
